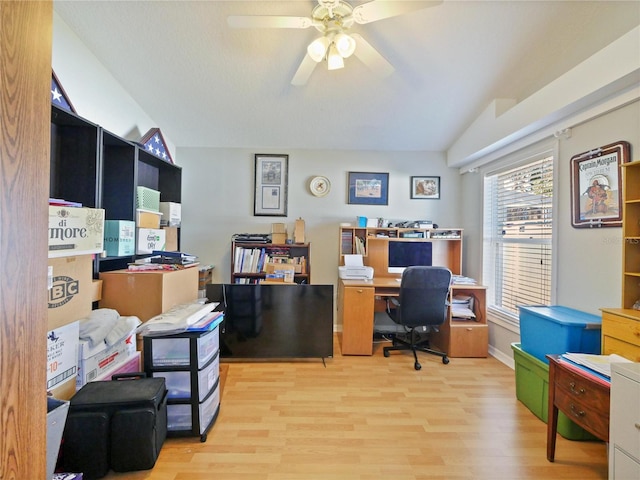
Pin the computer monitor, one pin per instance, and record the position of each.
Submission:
(403, 254)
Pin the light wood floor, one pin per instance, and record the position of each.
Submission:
(367, 418)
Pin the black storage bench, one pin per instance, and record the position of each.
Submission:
(119, 424)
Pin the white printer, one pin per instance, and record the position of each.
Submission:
(354, 269)
(355, 273)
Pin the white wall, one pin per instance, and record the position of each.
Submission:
(217, 199)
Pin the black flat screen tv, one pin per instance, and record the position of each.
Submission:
(274, 321)
(403, 254)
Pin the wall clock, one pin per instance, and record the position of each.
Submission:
(319, 186)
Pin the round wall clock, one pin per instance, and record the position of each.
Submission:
(320, 186)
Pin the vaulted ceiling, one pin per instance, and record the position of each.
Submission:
(207, 84)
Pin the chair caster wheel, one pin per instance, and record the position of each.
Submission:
(445, 360)
(417, 366)
(385, 353)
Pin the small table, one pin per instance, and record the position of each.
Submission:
(581, 398)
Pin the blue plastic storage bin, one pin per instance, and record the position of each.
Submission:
(557, 329)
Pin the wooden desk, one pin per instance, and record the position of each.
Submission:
(357, 305)
(583, 400)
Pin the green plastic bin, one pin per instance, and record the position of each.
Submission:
(532, 389)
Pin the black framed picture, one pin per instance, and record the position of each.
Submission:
(368, 188)
(426, 188)
(271, 177)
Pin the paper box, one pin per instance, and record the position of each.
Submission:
(146, 294)
(62, 354)
(119, 238)
(75, 231)
(94, 362)
(70, 295)
(171, 239)
(148, 219)
(130, 365)
(171, 214)
(279, 238)
(298, 232)
(150, 239)
(56, 418)
(96, 290)
(148, 199)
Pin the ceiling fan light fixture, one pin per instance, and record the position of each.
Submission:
(345, 45)
(334, 60)
(318, 48)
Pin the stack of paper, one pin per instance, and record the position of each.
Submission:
(462, 307)
(598, 363)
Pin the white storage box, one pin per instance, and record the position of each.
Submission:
(179, 383)
(94, 362)
(150, 239)
(75, 231)
(171, 214)
(179, 416)
(175, 351)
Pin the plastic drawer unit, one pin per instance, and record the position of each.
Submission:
(557, 329)
(189, 362)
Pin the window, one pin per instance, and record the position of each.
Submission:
(517, 246)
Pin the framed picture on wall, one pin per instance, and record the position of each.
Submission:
(271, 177)
(426, 188)
(367, 188)
(596, 186)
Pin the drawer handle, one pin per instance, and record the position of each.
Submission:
(637, 425)
(580, 391)
(360, 291)
(577, 413)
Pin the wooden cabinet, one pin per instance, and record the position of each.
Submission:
(630, 234)
(355, 313)
(373, 244)
(465, 337)
(621, 332)
(98, 169)
(582, 399)
(251, 261)
(624, 424)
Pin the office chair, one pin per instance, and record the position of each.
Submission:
(423, 302)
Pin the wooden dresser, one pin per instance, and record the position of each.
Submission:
(621, 332)
(584, 400)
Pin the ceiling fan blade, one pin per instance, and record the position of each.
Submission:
(304, 71)
(371, 57)
(268, 21)
(381, 9)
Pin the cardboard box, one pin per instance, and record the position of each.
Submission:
(56, 418)
(279, 238)
(75, 231)
(119, 238)
(171, 239)
(150, 239)
(65, 390)
(130, 365)
(278, 228)
(298, 232)
(70, 295)
(171, 214)
(96, 290)
(148, 219)
(146, 294)
(92, 363)
(62, 354)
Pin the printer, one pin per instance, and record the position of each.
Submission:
(350, 272)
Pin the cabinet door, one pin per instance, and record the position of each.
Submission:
(468, 339)
(356, 310)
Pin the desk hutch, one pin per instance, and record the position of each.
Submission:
(358, 300)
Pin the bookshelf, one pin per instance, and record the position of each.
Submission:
(249, 261)
(98, 169)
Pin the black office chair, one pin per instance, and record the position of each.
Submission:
(422, 305)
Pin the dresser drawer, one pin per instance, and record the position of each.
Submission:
(625, 413)
(627, 350)
(622, 328)
(592, 396)
(593, 419)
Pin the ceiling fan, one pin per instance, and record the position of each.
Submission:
(333, 19)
